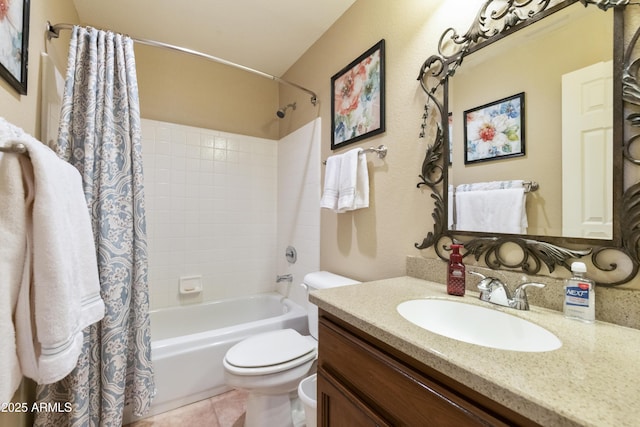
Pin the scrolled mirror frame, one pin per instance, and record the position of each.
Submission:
(491, 25)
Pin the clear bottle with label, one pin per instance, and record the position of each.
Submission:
(579, 295)
(456, 272)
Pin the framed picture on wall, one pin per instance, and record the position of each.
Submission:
(14, 43)
(495, 130)
(357, 103)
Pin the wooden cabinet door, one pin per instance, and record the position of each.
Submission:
(340, 408)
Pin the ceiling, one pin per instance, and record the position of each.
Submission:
(268, 36)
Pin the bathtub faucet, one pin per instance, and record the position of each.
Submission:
(284, 278)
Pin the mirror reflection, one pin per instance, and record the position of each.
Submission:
(541, 166)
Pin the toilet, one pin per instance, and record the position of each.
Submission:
(270, 365)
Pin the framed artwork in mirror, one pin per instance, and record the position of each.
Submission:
(358, 101)
(495, 130)
(14, 43)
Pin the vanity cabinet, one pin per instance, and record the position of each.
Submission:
(364, 382)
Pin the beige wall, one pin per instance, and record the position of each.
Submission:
(22, 110)
(189, 90)
(373, 243)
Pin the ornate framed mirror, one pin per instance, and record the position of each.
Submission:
(462, 77)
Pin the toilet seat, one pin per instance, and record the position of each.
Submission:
(270, 352)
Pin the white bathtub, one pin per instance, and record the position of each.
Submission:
(189, 343)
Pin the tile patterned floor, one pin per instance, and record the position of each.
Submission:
(224, 410)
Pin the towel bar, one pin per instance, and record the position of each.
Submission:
(14, 148)
(381, 151)
(530, 186)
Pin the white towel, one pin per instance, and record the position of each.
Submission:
(353, 192)
(496, 211)
(331, 182)
(13, 218)
(346, 182)
(361, 197)
(60, 291)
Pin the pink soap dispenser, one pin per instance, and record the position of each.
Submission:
(456, 272)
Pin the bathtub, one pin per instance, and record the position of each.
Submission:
(189, 343)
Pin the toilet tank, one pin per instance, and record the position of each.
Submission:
(321, 280)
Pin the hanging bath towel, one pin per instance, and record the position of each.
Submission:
(13, 219)
(60, 291)
(331, 183)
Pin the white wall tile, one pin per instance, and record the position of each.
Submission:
(208, 212)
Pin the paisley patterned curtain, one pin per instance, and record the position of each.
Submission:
(100, 135)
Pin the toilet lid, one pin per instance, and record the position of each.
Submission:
(269, 348)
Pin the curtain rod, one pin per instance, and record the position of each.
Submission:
(53, 31)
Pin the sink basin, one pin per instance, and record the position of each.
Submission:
(478, 325)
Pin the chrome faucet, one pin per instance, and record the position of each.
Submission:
(493, 290)
(284, 278)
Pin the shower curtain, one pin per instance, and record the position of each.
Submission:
(100, 135)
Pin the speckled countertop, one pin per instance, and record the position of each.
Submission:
(592, 380)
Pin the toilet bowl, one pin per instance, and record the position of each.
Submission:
(271, 365)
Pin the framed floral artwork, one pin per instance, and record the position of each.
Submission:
(14, 43)
(495, 131)
(357, 103)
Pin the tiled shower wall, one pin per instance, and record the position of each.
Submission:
(211, 206)
(299, 168)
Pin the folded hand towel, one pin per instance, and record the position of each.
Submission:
(331, 182)
(13, 218)
(60, 293)
(346, 182)
(354, 181)
(361, 199)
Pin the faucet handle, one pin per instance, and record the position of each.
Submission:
(477, 274)
(520, 300)
(486, 285)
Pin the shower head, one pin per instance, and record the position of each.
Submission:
(280, 112)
